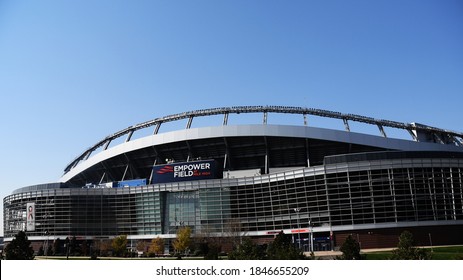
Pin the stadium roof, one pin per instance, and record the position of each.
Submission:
(418, 133)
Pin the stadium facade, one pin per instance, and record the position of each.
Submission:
(318, 184)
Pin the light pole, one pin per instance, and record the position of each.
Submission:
(430, 241)
(298, 227)
(46, 243)
(311, 235)
(67, 247)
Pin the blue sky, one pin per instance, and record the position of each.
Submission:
(73, 72)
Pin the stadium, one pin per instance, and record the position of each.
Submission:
(317, 184)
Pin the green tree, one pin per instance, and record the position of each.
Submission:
(350, 249)
(210, 249)
(406, 250)
(234, 231)
(247, 250)
(207, 244)
(84, 248)
(19, 248)
(183, 241)
(102, 247)
(57, 247)
(49, 250)
(156, 247)
(73, 246)
(119, 245)
(142, 246)
(283, 249)
(41, 252)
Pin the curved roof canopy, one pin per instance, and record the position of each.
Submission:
(418, 132)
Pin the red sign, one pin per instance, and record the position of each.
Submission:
(299, 230)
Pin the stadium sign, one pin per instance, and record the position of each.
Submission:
(185, 171)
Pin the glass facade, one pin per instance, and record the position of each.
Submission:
(326, 197)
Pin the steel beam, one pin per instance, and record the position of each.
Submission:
(158, 126)
(106, 145)
(225, 118)
(346, 125)
(264, 109)
(381, 129)
(190, 120)
(129, 135)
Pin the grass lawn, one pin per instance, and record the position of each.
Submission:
(447, 253)
(378, 255)
(113, 258)
(439, 253)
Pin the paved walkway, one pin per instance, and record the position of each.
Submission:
(334, 254)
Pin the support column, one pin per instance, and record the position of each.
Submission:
(413, 135)
(453, 196)
(392, 188)
(225, 118)
(431, 198)
(129, 135)
(327, 201)
(156, 129)
(85, 158)
(461, 189)
(370, 185)
(350, 196)
(106, 145)
(412, 196)
(190, 152)
(346, 125)
(225, 158)
(125, 172)
(190, 120)
(307, 154)
(381, 129)
(443, 192)
(151, 173)
(266, 157)
(102, 178)
(227, 155)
